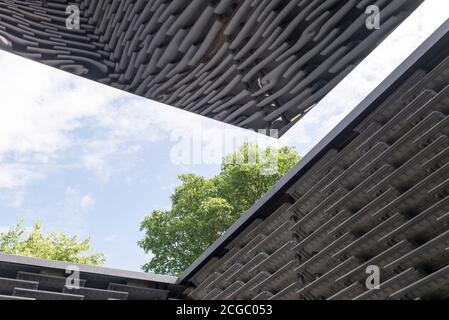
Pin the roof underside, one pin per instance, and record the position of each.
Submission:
(254, 64)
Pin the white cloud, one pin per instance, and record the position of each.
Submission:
(41, 107)
(76, 202)
(74, 210)
(16, 175)
(87, 202)
(95, 160)
(47, 113)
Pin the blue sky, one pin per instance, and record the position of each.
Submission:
(88, 159)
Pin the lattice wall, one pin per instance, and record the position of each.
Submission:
(382, 199)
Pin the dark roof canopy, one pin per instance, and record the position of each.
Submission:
(254, 64)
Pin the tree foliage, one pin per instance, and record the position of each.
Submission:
(202, 209)
(55, 246)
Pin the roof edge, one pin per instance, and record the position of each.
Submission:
(61, 265)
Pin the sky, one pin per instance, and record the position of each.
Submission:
(87, 159)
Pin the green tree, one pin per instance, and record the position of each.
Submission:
(202, 209)
(55, 246)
